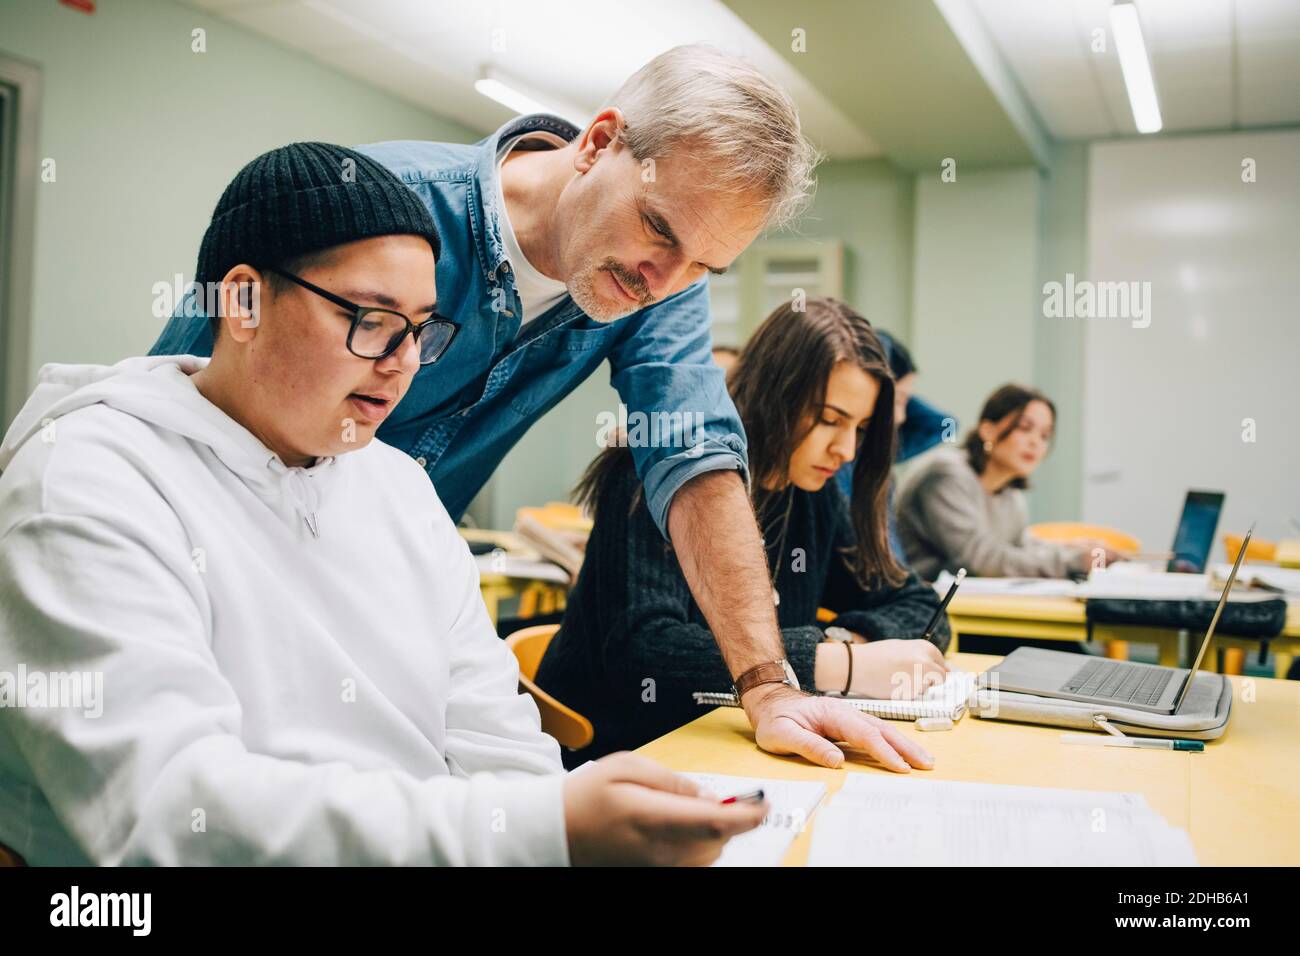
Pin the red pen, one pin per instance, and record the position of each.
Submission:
(755, 797)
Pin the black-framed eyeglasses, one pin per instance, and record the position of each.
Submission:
(378, 333)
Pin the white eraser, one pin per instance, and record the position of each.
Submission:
(933, 723)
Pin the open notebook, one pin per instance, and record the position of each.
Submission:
(944, 700)
(792, 804)
(888, 821)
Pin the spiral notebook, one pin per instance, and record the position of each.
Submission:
(943, 700)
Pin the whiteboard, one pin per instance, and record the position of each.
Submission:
(1171, 406)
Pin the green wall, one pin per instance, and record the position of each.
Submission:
(145, 134)
(1058, 345)
(973, 284)
(868, 205)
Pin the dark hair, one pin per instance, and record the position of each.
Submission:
(778, 384)
(900, 359)
(1009, 400)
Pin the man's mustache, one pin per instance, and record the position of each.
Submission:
(633, 283)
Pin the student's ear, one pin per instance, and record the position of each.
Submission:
(988, 431)
(241, 293)
(602, 133)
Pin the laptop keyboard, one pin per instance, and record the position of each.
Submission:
(1115, 680)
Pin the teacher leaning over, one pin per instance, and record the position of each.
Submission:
(565, 247)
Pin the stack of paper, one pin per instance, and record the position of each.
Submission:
(534, 569)
(890, 821)
(1016, 587)
(1124, 580)
(791, 802)
(1285, 580)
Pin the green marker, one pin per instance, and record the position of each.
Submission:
(1140, 743)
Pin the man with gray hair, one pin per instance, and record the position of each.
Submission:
(563, 248)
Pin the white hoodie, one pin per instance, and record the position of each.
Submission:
(297, 666)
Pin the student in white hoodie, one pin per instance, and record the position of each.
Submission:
(277, 633)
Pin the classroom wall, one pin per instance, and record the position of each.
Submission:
(1057, 493)
(1202, 391)
(973, 282)
(869, 206)
(145, 134)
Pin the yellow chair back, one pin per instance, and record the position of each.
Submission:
(563, 723)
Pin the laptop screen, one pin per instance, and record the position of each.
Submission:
(1195, 535)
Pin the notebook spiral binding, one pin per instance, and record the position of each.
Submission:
(895, 709)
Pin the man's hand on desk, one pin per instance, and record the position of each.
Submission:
(786, 721)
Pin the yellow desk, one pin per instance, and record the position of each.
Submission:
(1063, 619)
(1239, 800)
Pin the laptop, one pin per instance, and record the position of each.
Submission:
(1100, 680)
(1195, 535)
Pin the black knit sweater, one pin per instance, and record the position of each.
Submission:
(634, 646)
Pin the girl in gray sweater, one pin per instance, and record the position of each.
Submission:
(965, 507)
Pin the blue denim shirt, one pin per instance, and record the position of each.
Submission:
(462, 414)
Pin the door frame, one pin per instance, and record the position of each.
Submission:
(19, 177)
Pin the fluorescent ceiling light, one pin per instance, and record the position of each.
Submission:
(508, 92)
(1133, 60)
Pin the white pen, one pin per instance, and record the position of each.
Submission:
(1141, 743)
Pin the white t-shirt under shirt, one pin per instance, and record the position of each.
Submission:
(537, 293)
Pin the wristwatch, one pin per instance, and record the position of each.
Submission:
(775, 672)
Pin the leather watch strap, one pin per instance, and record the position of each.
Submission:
(773, 672)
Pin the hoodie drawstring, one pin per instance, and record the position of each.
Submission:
(296, 484)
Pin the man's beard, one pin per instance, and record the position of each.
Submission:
(582, 287)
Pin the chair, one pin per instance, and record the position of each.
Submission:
(563, 723)
(1062, 531)
(1119, 541)
(1258, 550)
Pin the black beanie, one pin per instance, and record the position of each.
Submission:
(303, 198)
